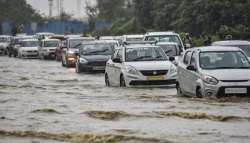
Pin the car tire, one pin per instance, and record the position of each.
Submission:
(179, 90)
(122, 81)
(107, 83)
(199, 93)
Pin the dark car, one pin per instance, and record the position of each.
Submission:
(93, 57)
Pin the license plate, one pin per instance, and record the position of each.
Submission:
(98, 68)
(236, 90)
(155, 78)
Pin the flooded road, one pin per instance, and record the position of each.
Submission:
(42, 102)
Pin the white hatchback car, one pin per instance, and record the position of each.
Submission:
(214, 71)
(140, 65)
(28, 49)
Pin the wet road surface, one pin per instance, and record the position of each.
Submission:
(42, 102)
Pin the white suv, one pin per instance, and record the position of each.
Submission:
(48, 47)
(140, 65)
(214, 71)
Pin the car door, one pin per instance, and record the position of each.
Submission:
(117, 67)
(110, 68)
(182, 71)
(192, 76)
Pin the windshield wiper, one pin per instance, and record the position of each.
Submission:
(77, 45)
(100, 51)
(232, 68)
(142, 57)
(168, 51)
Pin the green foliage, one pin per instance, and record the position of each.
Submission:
(198, 17)
(17, 11)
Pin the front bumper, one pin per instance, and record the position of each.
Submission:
(221, 89)
(93, 66)
(152, 81)
(33, 54)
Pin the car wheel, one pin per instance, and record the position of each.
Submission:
(122, 81)
(179, 90)
(107, 83)
(199, 93)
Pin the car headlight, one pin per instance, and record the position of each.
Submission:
(83, 61)
(173, 69)
(71, 52)
(132, 70)
(210, 80)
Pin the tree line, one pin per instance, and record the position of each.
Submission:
(216, 18)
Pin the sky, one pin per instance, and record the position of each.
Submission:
(70, 6)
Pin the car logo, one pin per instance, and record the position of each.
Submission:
(155, 73)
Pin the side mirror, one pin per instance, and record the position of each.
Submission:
(116, 60)
(191, 68)
(171, 59)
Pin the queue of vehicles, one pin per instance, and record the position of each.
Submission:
(153, 59)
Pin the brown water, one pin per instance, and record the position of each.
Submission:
(42, 102)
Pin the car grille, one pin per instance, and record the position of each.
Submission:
(157, 82)
(154, 72)
(31, 51)
(97, 63)
(221, 91)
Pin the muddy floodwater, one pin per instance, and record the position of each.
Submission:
(42, 102)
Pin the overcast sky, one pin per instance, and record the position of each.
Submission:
(70, 6)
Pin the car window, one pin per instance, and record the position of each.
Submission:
(187, 57)
(224, 60)
(119, 54)
(193, 60)
(115, 54)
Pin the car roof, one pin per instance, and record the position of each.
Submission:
(141, 46)
(45, 33)
(215, 49)
(51, 40)
(81, 38)
(160, 33)
(5, 36)
(166, 43)
(134, 36)
(28, 40)
(231, 42)
(100, 42)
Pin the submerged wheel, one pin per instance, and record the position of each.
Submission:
(199, 93)
(122, 81)
(107, 83)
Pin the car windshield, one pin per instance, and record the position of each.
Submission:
(51, 43)
(245, 48)
(98, 49)
(29, 43)
(134, 39)
(170, 50)
(224, 60)
(145, 54)
(165, 38)
(74, 43)
(4, 39)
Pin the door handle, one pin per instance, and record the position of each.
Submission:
(111, 65)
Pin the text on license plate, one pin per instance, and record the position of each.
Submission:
(155, 78)
(235, 90)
